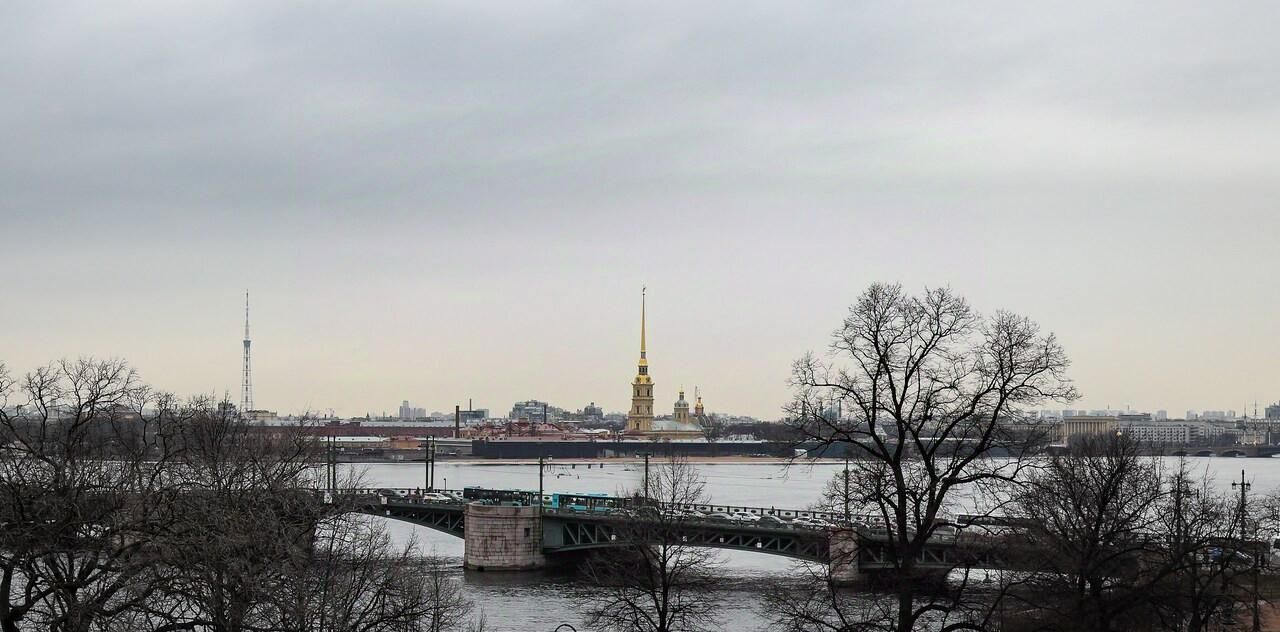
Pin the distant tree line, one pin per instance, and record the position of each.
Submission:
(124, 508)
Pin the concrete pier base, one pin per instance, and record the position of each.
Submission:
(843, 549)
(503, 538)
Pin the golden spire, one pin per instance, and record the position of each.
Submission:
(642, 292)
(643, 364)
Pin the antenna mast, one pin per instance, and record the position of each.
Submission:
(246, 383)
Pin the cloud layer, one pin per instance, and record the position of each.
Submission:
(443, 200)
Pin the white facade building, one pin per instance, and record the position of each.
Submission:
(1170, 432)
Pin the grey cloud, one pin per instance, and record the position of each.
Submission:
(463, 153)
(296, 107)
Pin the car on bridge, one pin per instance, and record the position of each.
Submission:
(810, 522)
(742, 516)
(672, 513)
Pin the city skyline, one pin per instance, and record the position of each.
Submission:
(1075, 407)
(454, 201)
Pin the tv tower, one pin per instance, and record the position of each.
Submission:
(246, 384)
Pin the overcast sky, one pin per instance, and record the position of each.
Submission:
(436, 201)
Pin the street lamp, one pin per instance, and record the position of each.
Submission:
(1244, 499)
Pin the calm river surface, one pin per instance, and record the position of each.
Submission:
(537, 601)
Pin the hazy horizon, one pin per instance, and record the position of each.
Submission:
(451, 201)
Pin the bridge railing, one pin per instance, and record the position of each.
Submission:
(625, 506)
(400, 495)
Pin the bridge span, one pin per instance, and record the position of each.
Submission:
(516, 535)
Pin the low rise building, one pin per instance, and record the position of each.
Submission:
(1174, 432)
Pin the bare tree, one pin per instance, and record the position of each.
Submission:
(246, 518)
(125, 509)
(81, 490)
(714, 429)
(928, 392)
(1114, 543)
(1201, 577)
(1092, 514)
(653, 580)
(358, 581)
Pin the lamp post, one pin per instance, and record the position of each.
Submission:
(646, 478)
(429, 463)
(847, 522)
(1244, 491)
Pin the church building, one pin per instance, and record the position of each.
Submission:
(641, 420)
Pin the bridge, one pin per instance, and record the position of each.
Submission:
(521, 535)
(1249, 451)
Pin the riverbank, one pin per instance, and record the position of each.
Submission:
(620, 460)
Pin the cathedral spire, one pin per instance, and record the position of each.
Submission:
(643, 365)
(640, 419)
(642, 292)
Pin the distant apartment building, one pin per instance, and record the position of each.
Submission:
(1162, 415)
(474, 415)
(410, 412)
(534, 410)
(1168, 432)
(1273, 411)
(590, 412)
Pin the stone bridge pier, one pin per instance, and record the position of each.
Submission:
(501, 538)
(843, 551)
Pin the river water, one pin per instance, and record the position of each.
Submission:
(527, 602)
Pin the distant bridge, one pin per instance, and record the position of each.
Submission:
(524, 536)
(1251, 451)
(503, 536)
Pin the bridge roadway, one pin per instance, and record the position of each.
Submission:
(565, 530)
